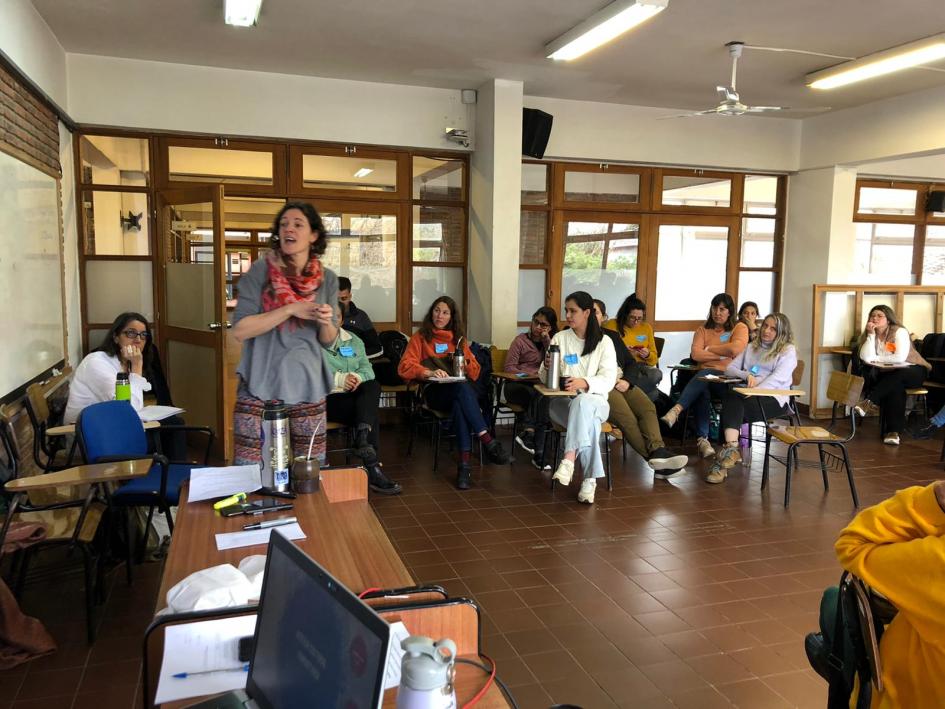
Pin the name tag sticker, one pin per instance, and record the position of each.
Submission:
(570, 359)
(725, 337)
(891, 347)
(346, 351)
(641, 338)
(754, 369)
(440, 348)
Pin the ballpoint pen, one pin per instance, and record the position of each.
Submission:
(239, 668)
(271, 523)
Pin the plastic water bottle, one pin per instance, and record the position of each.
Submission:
(122, 387)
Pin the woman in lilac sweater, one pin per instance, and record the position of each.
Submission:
(767, 363)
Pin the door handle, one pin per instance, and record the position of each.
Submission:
(217, 325)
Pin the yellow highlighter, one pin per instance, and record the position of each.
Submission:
(231, 500)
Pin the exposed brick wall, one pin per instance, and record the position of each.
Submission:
(28, 129)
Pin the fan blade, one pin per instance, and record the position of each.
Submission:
(710, 111)
(763, 109)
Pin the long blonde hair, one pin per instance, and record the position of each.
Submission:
(784, 337)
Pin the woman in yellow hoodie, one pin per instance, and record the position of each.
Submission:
(898, 548)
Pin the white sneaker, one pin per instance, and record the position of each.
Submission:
(587, 491)
(891, 439)
(705, 448)
(564, 472)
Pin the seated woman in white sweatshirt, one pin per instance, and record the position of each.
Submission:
(589, 366)
(767, 363)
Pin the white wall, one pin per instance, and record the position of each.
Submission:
(27, 41)
(930, 167)
(903, 126)
(610, 133)
(177, 97)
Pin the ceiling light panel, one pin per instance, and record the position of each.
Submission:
(924, 51)
(603, 26)
(241, 13)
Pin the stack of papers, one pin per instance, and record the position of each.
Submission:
(252, 537)
(213, 483)
(158, 413)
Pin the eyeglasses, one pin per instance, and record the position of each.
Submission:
(135, 335)
(635, 318)
(542, 325)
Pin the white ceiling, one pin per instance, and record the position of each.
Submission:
(675, 60)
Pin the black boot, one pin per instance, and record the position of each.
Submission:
(496, 453)
(362, 441)
(380, 483)
(463, 476)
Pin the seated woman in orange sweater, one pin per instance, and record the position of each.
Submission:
(714, 345)
(425, 360)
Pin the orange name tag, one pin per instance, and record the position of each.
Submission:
(891, 347)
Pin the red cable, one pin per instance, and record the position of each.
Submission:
(485, 687)
(369, 590)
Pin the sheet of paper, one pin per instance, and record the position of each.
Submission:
(395, 654)
(201, 646)
(211, 483)
(158, 413)
(252, 537)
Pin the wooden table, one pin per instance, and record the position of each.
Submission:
(345, 536)
(342, 533)
(545, 391)
(69, 428)
(84, 475)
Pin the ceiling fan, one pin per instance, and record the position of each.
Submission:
(729, 102)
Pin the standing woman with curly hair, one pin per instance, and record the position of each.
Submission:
(285, 313)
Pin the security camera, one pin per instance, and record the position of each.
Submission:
(458, 135)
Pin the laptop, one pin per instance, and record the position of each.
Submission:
(316, 643)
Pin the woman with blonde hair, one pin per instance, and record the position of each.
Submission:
(767, 363)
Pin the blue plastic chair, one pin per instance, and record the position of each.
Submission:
(112, 431)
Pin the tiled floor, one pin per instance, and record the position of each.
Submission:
(664, 593)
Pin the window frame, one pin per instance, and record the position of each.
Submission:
(161, 164)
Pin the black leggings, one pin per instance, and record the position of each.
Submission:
(359, 406)
(888, 391)
(737, 409)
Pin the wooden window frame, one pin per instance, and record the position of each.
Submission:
(557, 194)
(161, 165)
(735, 193)
(297, 186)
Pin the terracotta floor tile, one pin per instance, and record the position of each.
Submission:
(804, 688)
(50, 683)
(674, 676)
(753, 694)
(531, 641)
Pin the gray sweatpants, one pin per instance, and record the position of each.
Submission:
(582, 416)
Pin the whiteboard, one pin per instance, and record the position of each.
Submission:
(31, 319)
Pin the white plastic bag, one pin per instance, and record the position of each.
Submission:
(218, 587)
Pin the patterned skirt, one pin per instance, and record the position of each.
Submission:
(303, 420)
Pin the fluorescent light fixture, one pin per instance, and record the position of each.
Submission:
(603, 26)
(914, 54)
(241, 13)
(363, 172)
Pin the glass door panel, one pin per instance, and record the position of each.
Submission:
(600, 257)
(691, 267)
(193, 322)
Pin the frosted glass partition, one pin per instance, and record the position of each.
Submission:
(193, 379)
(839, 319)
(757, 286)
(531, 293)
(690, 269)
(918, 314)
(114, 287)
(430, 282)
(677, 347)
(96, 338)
(190, 295)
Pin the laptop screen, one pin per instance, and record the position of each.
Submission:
(316, 643)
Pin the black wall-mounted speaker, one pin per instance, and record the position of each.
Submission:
(936, 202)
(536, 129)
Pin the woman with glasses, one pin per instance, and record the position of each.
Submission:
(637, 335)
(526, 353)
(126, 348)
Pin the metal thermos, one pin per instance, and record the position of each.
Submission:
(426, 675)
(459, 364)
(553, 372)
(276, 447)
(122, 387)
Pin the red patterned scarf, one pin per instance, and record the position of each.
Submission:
(284, 289)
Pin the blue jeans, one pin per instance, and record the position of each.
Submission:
(460, 400)
(697, 395)
(939, 418)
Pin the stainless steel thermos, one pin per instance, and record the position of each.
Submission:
(459, 364)
(553, 372)
(276, 446)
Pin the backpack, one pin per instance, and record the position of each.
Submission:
(393, 344)
(483, 385)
